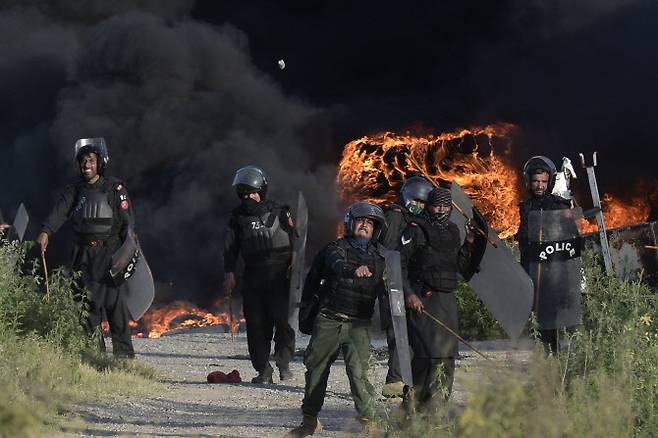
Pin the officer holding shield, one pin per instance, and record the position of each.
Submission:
(413, 196)
(101, 213)
(550, 281)
(351, 277)
(432, 256)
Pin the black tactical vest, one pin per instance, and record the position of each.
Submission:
(435, 265)
(263, 234)
(353, 296)
(92, 213)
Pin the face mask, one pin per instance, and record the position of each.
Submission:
(248, 202)
(437, 219)
(414, 209)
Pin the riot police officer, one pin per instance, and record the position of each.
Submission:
(432, 256)
(101, 213)
(262, 232)
(351, 278)
(539, 175)
(413, 196)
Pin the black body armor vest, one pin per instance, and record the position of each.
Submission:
(436, 265)
(93, 214)
(353, 296)
(262, 234)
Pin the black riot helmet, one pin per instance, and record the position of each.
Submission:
(540, 163)
(95, 145)
(364, 209)
(414, 188)
(250, 179)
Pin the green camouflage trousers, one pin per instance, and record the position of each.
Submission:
(331, 336)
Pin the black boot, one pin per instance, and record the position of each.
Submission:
(284, 372)
(264, 376)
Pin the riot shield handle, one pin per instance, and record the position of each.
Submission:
(582, 160)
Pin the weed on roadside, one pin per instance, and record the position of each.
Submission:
(46, 358)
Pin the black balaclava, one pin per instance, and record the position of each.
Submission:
(252, 207)
(438, 196)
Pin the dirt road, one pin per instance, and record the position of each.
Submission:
(189, 406)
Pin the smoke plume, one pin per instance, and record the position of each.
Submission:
(181, 106)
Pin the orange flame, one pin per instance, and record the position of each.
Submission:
(617, 213)
(374, 168)
(181, 314)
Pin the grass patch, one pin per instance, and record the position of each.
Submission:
(603, 383)
(47, 361)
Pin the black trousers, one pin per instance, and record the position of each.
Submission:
(103, 296)
(94, 262)
(266, 297)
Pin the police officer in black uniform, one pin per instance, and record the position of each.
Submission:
(101, 213)
(262, 232)
(413, 196)
(539, 174)
(346, 279)
(432, 256)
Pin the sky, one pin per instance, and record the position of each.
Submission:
(186, 92)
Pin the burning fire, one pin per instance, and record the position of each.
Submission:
(374, 168)
(181, 315)
(617, 213)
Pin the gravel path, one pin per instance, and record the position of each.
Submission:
(191, 407)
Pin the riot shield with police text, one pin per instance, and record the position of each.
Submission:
(297, 268)
(130, 271)
(398, 312)
(500, 282)
(555, 264)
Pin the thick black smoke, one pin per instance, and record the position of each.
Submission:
(574, 76)
(186, 92)
(181, 107)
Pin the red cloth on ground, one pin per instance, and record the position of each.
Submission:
(222, 377)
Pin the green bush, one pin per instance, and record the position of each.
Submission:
(46, 359)
(618, 338)
(26, 309)
(604, 381)
(475, 321)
